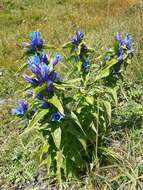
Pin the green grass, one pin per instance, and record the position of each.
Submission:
(57, 20)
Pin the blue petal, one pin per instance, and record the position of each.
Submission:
(30, 80)
(21, 108)
(49, 86)
(44, 57)
(56, 116)
(44, 71)
(57, 58)
(45, 104)
(34, 60)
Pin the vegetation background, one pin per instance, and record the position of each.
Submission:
(57, 20)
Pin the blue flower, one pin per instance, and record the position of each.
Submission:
(44, 57)
(118, 38)
(21, 108)
(33, 110)
(36, 41)
(44, 72)
(54, 76)
(34, 64)
(39, 96)
(49, 86)
(34, 60)
(85, 65)
(57, 58)
(57, 116)
(30, 80)
(44, 104)
(120, 51)
(128, 42)
(40, 69)
(77, 38)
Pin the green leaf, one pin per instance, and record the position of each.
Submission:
(63, 86)
(113, 93)
(56, 102)
(105, 71)
(49, 162)
(47, 46)
(93, 127)
(67, 84)
(107, 106)
(37, 117)
(59, 164)
(67, 45)
(39, 89)
(81, 138)
(83, 142)
(44, 149)
(75, 118)
(57, 137)
(73, 81)
(90, 99)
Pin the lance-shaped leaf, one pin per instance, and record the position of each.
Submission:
(67, 45)
(76, 120)
(37, 117)
(107, 106)
(57, 137)
(57, 103)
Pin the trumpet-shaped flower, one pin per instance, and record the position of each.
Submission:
(44, 72)
(36, 41)
(44, 57)
(30, 80)
(44, 104)
(54, 76)
(49, 86)
(39, 96)
(128, 42)
(77, 38)
(57, 116)
(57, 58)
(119, 38)
(120, 51)
(21, 108)
(34, 60)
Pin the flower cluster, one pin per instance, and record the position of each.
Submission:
(21, 108)
(76, 40)
(43, 73)
(82, 51)
(57, 116)
(123, 44)
(35, 44)
(123, 50)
